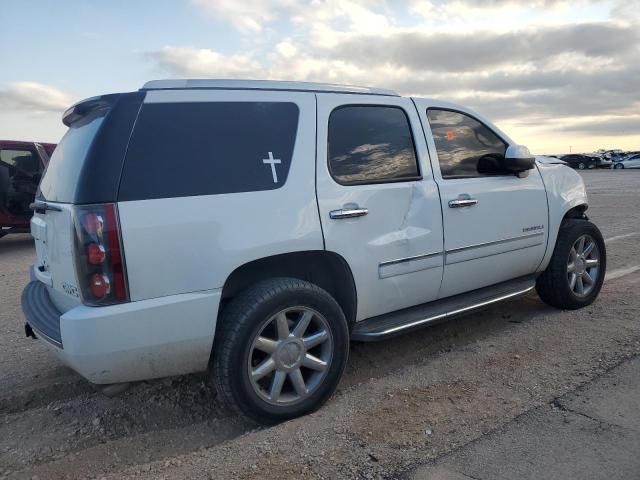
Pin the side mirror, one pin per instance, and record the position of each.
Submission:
(518, 159)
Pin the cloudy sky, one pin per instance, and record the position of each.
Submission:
(554, 74)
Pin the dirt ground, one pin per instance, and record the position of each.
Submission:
(401, 403)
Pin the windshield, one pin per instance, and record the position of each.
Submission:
(61, 176)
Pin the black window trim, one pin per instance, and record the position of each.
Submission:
(413, 178)
(462, 112)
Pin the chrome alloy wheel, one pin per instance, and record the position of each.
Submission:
(290, 356)
(583, 266)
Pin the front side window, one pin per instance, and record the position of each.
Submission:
(371, 144)
(466, 148)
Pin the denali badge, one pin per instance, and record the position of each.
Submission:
(70, 290)
(533, 228)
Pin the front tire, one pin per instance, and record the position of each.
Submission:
(581, 166)
(575, 274)
(618, 166)
(280, 350)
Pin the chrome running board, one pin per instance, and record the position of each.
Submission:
(402, 321)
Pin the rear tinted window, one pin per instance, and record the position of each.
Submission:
(65, 166)
(187, 149)
(371, 144)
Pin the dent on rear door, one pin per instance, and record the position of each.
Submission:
(395, 250)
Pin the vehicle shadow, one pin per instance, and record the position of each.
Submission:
(19, 242)
(377, 359)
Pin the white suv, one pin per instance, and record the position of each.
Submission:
(257, 227)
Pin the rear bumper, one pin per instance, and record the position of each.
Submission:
(152, 338)
(41, 313)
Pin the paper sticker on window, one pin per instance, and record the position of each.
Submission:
(449, 135)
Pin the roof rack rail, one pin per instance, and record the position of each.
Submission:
(223, 84)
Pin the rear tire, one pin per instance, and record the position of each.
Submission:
(581, 166)
(618, 166)
(579, 255)
(292, 330)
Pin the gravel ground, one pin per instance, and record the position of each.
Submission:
(402, 403)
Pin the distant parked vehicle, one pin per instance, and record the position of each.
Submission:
(603, 160)
(632, 161)
(21, 167)
(580, 161)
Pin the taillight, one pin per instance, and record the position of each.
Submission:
(99, 261)
(96, 254)
(99, 285)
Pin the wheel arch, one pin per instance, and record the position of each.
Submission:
(577, 211)
(326, 269)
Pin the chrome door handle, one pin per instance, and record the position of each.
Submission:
(347, 213)
(463, 202)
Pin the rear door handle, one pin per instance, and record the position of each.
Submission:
(347, 213)
(463, 202)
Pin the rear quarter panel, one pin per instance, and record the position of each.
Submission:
(190, 244)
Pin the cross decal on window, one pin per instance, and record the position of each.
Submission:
(272, 161)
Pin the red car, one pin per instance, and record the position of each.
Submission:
(21, 167)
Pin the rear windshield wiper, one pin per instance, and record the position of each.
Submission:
(42, 207)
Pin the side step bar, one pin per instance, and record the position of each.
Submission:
(402, 321)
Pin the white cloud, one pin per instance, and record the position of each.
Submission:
(202, 62)
(255, 16)
(248, 16)
(287, 49)
(33, 96)
(545, 62)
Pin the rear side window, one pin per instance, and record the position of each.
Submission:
(466, 147)
(371, 144)
(188, 149)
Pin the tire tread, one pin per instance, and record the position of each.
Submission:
(551, 284)
(235, 317)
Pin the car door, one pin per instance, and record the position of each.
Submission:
(633, 162)
(495, 223)
(20, 171)
(377, 199)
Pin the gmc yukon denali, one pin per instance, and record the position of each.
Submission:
(254, 228)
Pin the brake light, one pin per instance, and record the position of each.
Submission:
(92, 223)
(95, 253)
(99, 285)
(99, 262)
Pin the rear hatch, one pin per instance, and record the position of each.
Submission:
(83, 170)
(52, 229)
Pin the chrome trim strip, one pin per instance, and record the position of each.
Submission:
(496, 242)
(409, 259)
(447, 262)
(449, 314)
(47, 338)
